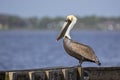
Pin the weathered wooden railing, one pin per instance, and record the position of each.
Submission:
(63, 73)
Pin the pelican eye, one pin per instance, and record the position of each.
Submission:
(67, 20)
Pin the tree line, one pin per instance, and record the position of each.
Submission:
(48, 23)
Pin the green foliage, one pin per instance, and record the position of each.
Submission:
(44, 22)
(88, 22)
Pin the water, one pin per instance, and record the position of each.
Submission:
(38, 49)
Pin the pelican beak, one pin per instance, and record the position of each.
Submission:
(64, 29)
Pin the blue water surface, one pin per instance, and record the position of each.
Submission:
(20, 49)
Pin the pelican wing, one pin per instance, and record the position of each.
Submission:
(83, 50)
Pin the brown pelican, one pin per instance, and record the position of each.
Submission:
(80, 51)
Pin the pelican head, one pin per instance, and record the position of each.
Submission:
(67, 26)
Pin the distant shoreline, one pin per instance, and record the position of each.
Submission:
(9, 22)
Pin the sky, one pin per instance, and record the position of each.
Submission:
(54, 8)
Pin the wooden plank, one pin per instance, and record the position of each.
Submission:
(72, 74)
(2, 76)
(21, 76)
(103, 73)
(67, 73)
(9, 76)
(56, 75)
(39, 76)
